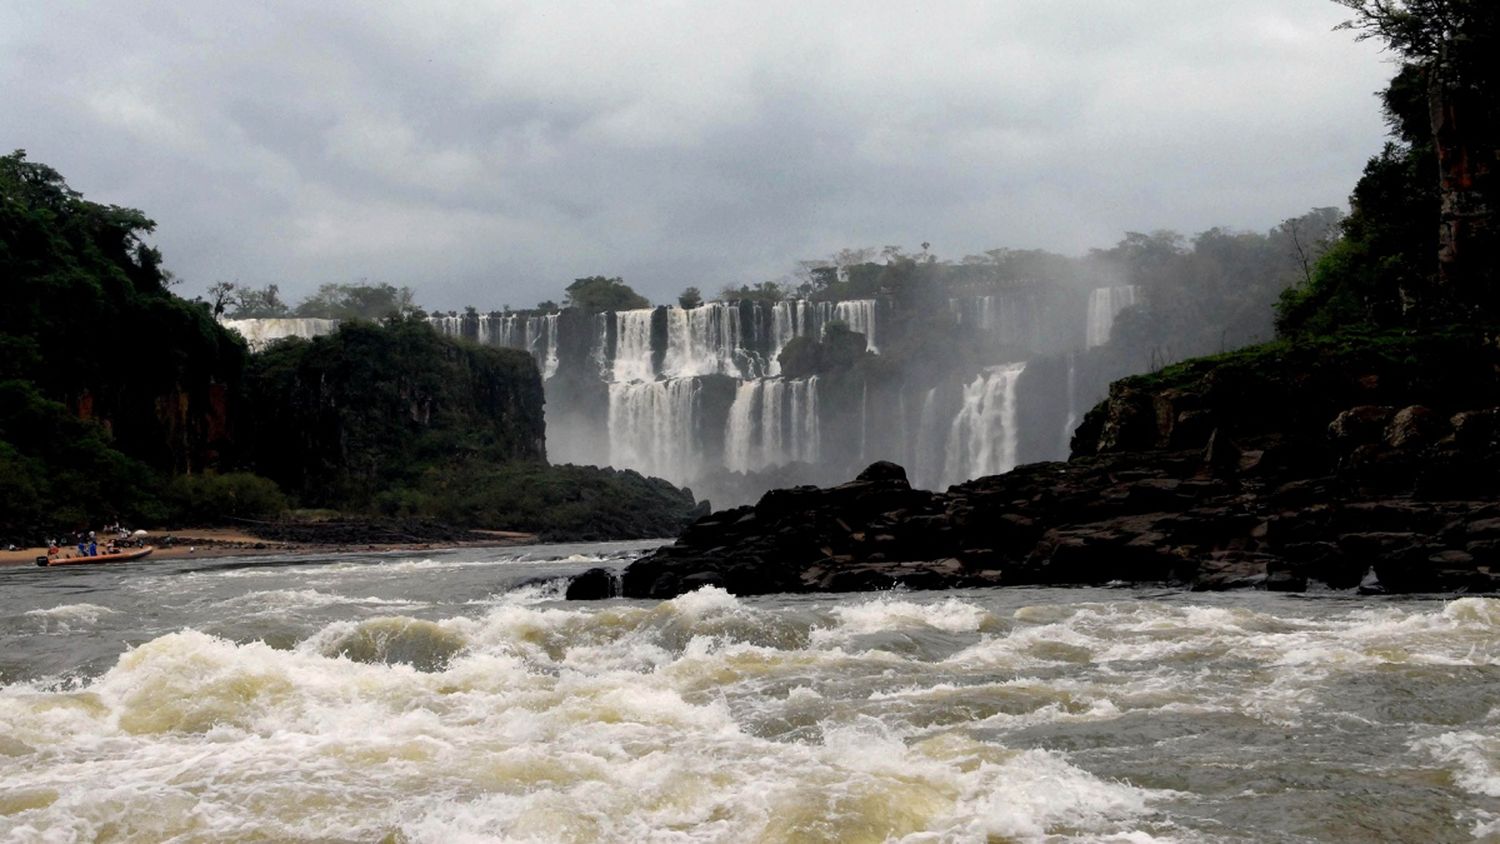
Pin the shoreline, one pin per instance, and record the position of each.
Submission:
(214, 543)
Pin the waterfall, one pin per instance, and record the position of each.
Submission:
(1011, 315)
(789, 319)
(792, 318)
(448, 326)
(549, 358)
(653, 428)
(259, 333)
(864, 421)
(927, 449)
(601, 348)
(982, 439)
(703, 341)
(860, 315)
(772, 422)
(534, 333)
(632, 361)
(1072, 421)
(1104, 304)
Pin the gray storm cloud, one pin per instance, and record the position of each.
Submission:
(487, 153)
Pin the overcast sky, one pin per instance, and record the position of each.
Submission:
(487, 153)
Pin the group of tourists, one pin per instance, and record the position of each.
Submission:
(88, 545)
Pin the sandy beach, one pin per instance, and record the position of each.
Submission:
(208, 543)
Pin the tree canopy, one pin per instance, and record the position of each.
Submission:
(1445, 114)
(597, 293)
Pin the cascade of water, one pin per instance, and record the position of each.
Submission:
(1072, 421)
(652, 428)
(982, 439)
(772, 422)
(926, 451)
(633, 346)
(1105, 303)
(788, 319)
(860, 315)
(703, 341)
(601, 345)
(864, 422)
(1011, 315)
(792, 318)
(739, 429)
(259, 333)
(549, 359)
(448, 326)
(804, 442)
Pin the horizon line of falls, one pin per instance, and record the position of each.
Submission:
(1105, 303)
(534, 333)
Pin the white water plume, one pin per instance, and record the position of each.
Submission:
(259, 333)
(534, 333)
(633, 356)
(652, 428)
(983, 437)
(772, 422)
(704, 340)
(1105, 303)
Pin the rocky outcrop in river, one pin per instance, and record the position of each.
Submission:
(1171, 483)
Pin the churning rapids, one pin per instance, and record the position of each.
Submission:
(396, 698)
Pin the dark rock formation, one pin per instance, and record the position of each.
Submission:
(1226, 479)
(596, 584)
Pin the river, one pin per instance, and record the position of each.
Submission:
(454, 697)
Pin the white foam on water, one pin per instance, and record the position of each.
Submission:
(68, 617)
(885, 613)
(1473, 757)
(274, 601)
(615, 722)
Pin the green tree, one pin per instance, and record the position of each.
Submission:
(765, 291)
(1448, 48)
(597, 293)
(262, 303)
(358, 301)
(1382, 270)
(690, 298)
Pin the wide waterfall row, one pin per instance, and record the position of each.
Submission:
(534, 333)
(771, 423)
(1105, 303)
(260, 333)
(740, 339)
(696, 396)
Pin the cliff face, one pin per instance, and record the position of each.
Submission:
(1287, 393)
(339, 418)
(1370, 463)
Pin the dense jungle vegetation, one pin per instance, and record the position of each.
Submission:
(121, 400)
